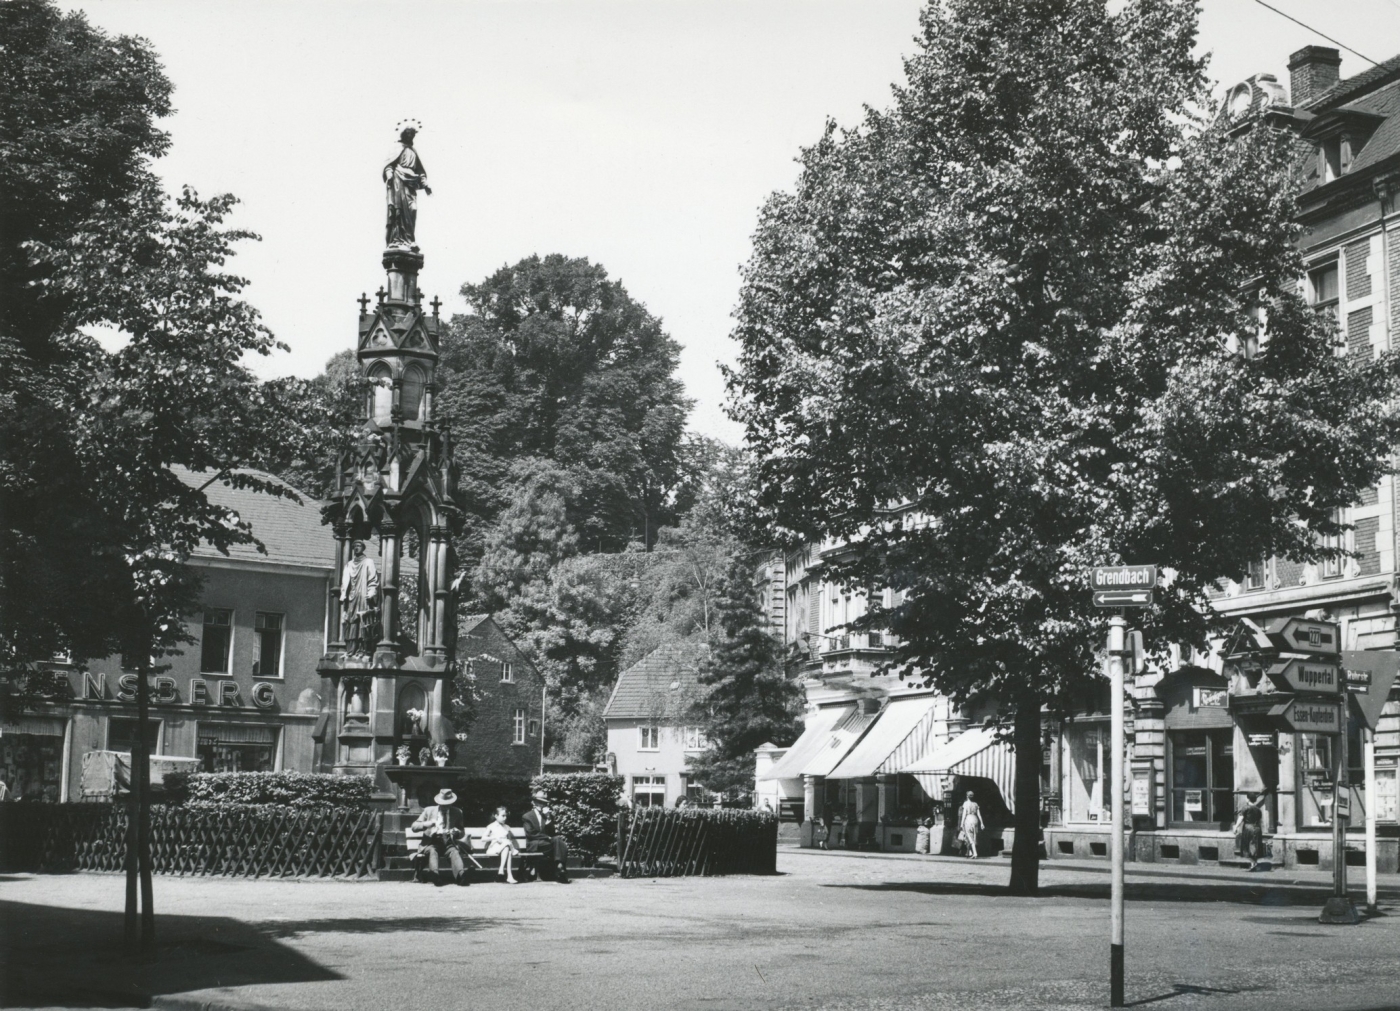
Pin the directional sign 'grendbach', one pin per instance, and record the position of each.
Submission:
(1124, 585)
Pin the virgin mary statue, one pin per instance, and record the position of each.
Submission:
(404, 176)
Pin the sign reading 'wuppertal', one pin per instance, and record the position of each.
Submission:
(1123, 585)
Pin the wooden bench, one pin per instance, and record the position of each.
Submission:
(474, 849)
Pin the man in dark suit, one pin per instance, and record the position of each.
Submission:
(541, 836)
(442, 828)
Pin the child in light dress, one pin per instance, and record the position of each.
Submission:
(499, 842)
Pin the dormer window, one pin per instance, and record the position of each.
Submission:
(1334, 158)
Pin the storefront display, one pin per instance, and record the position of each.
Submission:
(31, 758)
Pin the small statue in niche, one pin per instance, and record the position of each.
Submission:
(359, 600)
(413, 722)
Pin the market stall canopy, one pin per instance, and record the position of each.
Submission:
(973, 753)
(899, 736)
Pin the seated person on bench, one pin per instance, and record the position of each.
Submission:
(498, 840)
(441, 825)
(541, 836)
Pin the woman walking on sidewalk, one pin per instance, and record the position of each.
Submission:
(1249, 826)
(970, 823)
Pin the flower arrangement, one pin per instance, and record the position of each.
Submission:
(440, 750)
(425, 755)
(415, 719)
(401, 753)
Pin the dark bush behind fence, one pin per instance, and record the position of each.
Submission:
(246, 842)
(665, 842)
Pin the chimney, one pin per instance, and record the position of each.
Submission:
(1311, 71)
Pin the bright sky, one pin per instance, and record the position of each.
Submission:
(643, 135)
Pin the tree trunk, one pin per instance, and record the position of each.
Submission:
(1025, 852)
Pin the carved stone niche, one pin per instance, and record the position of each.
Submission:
(356, 695)
(412, 697)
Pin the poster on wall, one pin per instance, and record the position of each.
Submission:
(1193, 801)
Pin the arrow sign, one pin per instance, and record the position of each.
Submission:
(1301, 635)
(1311, 717)
(1123, 598)
(1307, 676)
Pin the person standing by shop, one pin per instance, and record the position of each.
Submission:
(969, 824)
(1249, 827)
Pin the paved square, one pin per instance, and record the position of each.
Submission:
(832, 930)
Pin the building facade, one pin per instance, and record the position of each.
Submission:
(243, 696)
(1198, 743)
(504, 739)
(651, 737)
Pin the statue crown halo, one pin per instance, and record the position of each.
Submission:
(408, 124)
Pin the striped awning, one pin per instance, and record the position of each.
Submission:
(816, 735)
(972, 753)
(899, 736)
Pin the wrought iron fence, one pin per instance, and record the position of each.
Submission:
(675, 842)
(247, 842)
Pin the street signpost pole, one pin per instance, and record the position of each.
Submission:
(1339, 909)
(1370, 762)
(1116, 647)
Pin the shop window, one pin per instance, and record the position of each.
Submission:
(1387, 796)
(217, 641)
(237, 747)
(649, 791)
(517, 727)
(121, 735)
(1202, 776)
(31, 763)
(268, 628)
(648, 738)
(1315, 787)
(1089, 767)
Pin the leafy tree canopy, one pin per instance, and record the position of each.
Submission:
(992, 339)
(97, 523)
(556, 361)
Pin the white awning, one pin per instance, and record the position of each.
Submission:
(903, 729)
(972, 753)
(816, 736)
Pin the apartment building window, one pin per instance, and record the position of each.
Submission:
(518, 727)
(649, 738)
(1325, 292)
(534, 728)
(1331, 568)
(1256, 575)
(216, 643)
(507, 672)
(695, 739)
(268, 628)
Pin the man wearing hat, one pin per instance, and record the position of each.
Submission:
(542, 837)
(441, 825)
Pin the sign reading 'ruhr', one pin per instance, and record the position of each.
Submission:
(1306, 676)
(1123, 585)
(1313, 717)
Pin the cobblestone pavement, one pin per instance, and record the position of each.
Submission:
(832, 931)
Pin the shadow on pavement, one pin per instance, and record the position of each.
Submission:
(73, 957)
(390, 925)
(1184, 989)
(1252, 893)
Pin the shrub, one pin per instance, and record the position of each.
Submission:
(286, 789)
(585, 808)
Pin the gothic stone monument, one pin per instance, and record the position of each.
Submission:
(388, 667)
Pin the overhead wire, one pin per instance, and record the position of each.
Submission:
(1315, 31)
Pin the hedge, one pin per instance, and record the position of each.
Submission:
(284, 789)
(585, 806)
